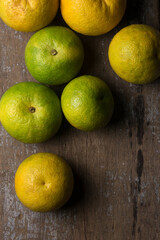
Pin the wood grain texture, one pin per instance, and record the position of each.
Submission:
(117, 169)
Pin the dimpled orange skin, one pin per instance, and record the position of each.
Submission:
(92, 17)
(134, 54)
(44, 182)
(28, 15)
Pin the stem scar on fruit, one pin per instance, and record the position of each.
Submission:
(53, 52)
(32, 109)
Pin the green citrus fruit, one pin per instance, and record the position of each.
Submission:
(44, 182)
(54, 55)
(87, 103)
(134, 54)
(30, 112)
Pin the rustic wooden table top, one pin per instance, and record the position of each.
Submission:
(117, 169)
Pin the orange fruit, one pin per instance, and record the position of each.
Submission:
(92, 17)
(28, 16)
(54, 55)
(87, 103)
(30, 112)
(134, 54)
(44, 182)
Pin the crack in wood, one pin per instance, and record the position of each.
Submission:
(134, 214)
(140, 162)
(139, 114)
(137, 189)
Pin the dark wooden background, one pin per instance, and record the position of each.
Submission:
(117, 169)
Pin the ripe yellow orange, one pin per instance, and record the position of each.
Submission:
(44, 182)
(134, 54)
(92, 17)
(28, 15)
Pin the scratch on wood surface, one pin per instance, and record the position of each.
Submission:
(157, 188)
(18, 35)
(139, 113)
(137, 188)
(140, 162)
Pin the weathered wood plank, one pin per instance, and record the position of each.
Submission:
(117, 192)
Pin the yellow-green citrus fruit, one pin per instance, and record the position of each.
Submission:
(30, 112)
(44, 182)
(28, 16)
(134, 54)
(87, 103)
(92, 17)
(54, 55)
